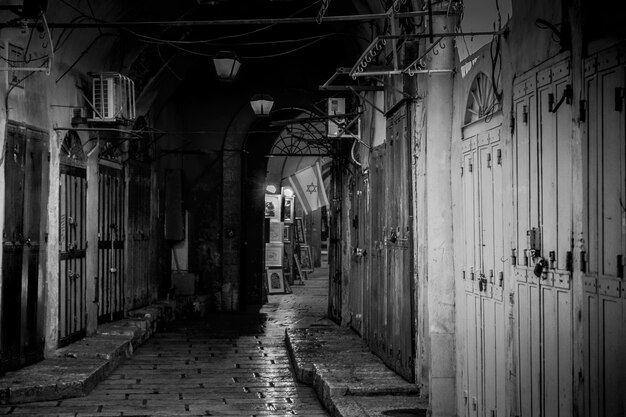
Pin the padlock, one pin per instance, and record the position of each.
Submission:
(539, 266)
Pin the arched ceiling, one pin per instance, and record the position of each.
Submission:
(166, 48)
(159, 57)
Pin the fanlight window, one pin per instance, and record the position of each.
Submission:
(72, 150)
(304, 138)
(482, 100)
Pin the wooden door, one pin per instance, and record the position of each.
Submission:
(335, 245)
(542, 196)
(391, 334)
(359, 249)
(72, 240)
(111, 237)
(483, 269)
(26, 169)
(604, 287)
(139, 227)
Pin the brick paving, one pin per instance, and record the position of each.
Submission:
(225, 365)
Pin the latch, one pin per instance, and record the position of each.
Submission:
(534, 241)
(566, 97)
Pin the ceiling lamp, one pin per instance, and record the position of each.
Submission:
(261, 104)
(226, 65)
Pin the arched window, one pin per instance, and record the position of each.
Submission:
(482, 100)
(72, 150)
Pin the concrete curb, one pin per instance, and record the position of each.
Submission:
(75, 370)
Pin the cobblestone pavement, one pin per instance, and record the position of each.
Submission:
(226, 365)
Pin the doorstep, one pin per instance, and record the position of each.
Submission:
(74, 370)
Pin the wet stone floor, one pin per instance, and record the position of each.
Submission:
(225, 365)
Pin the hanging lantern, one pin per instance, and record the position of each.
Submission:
(226, 65)
(261, 104)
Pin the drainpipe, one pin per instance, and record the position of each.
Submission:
(440, 251)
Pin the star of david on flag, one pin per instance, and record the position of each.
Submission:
(309, 188)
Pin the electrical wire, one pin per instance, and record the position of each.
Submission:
(212, 40)
(288, 52)
(85, 51)
(157, 41)
(166, 65)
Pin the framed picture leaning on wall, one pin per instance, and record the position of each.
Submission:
(273, 255)
(306, 261)
(272, 206)
(275, 282)
(288, 210)
(276, 231)
(300, 237)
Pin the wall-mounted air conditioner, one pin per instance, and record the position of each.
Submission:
(113, 98)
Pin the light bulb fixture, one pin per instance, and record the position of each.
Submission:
(261, 104)
(226, 65)
(270, 188)
(287, 192)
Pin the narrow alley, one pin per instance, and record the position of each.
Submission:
(447, 178)
(231, 364)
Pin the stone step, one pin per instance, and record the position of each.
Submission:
(74, 370)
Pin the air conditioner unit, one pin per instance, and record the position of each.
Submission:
(113, 98)
(336, 106)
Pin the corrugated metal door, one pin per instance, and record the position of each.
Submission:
(542, 194)
(111, 228)
(392, 332)
(26, 167)
(483, 271)
(72, 240)
(605, 235)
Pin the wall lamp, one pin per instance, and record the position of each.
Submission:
(226, 65)
(261, 104)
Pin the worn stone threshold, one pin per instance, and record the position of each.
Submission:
(349, 380)
(74, 370)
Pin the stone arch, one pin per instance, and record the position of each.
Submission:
(233, 148)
